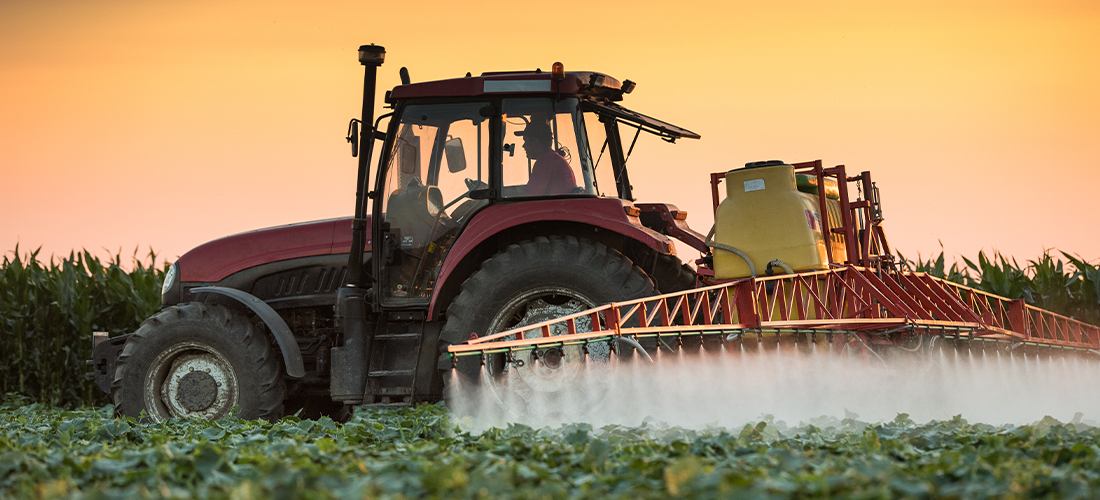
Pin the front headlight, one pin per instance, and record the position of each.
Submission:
(169, 279)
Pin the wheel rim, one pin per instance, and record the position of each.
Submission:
(545, 370)
(190, 380)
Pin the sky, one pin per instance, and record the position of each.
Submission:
(130, 125)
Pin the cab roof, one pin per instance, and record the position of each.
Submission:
(518, 82)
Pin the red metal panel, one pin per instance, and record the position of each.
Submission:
(949, 298)
(746, 303)
(341, 236)
(903, 295)
(606, 213)
(715, 179)
(928, 298)
(213, 261)
(675, 224)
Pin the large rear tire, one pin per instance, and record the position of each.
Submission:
(672, 275)
(198, 361)
(527, 283)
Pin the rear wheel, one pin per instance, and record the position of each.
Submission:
(198, 361)
(528, 283)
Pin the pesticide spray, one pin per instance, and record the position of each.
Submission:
(743, 382)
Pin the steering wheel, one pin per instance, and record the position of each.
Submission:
(471, 185)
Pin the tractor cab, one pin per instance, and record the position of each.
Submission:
(454, 147)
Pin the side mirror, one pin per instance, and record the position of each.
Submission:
(353, 137)
(456, 156)
(408, 159)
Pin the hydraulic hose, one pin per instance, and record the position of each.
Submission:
(872, 351)
(780, 264)
(638, 346)
(713, 244)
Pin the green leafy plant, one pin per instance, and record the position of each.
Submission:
(418, 452)
(997, 276)
(1085, 292)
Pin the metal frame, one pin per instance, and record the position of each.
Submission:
(862, 297)
(874, 306)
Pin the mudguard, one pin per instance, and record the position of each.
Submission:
(610, 214)
(292, 355)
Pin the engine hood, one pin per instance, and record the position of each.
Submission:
(213, 261)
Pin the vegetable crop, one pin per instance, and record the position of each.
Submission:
(420, 452)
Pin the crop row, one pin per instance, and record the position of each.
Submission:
(420, 453)
(49, 309)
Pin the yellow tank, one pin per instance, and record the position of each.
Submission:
(766, 217)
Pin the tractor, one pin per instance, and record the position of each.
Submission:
(498, 201)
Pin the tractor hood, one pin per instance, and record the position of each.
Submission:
(213, 261)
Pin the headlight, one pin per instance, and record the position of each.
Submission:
(169, 279)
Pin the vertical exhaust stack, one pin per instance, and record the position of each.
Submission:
(371, 57)
(349, 363)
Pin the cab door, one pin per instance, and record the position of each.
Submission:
(439, 154)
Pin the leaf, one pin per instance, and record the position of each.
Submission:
(213, 433)
(682, 471)
(207, 458)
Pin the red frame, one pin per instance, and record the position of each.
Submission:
(884, 307)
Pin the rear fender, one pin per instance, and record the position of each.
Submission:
(292, 355)
(610, 214)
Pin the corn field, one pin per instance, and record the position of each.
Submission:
(48, 309)
(1070, 288)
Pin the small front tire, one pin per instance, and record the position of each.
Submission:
(198, 361)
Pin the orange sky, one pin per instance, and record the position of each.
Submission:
(170, 123)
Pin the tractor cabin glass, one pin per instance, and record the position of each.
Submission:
(545, 149)
(439, 155)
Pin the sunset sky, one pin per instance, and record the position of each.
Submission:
(166, 124)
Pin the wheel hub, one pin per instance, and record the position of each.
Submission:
(197, 391)
(550, 370)
(191, 380)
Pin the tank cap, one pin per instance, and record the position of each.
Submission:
(766, 163)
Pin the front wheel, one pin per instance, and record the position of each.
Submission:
(198, 361)
(528, 283)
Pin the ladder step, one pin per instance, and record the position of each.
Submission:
(390, 373)
(397, 336)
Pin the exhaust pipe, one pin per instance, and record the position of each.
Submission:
(371, 57)
(350, 363)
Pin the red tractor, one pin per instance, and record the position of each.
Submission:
(489, 211)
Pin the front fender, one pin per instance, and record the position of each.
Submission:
(292, 355)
